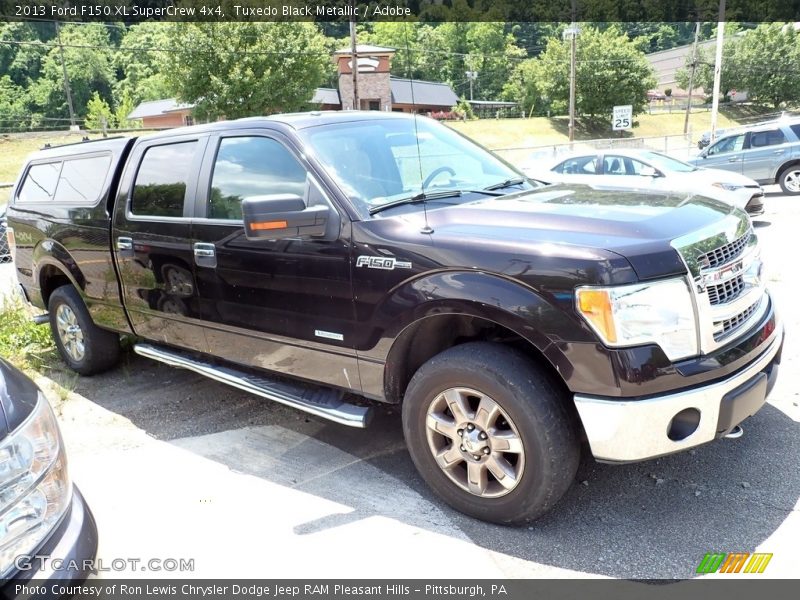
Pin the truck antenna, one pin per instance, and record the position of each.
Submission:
(427, 228)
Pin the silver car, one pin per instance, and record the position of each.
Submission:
(769, 154)
(649, 170)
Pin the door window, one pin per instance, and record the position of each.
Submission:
(621, 165)
(582, 165)
(251, 166)
(160, 187)
(729, 144)
(761, 139)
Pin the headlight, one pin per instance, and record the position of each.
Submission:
(35, 489)
(728, 187)
(649, 313)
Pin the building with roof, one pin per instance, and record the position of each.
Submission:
(163, 113)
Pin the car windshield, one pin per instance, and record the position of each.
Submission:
(667, 163)
(382, 160)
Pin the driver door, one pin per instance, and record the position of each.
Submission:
(284, 305)
(725, 154)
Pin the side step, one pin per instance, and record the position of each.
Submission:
(319, 401)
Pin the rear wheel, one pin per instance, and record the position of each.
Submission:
(790, 180)
(86, 348)
(490, 433)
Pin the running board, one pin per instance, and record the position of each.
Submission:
(319, 401)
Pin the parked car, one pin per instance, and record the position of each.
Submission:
(768, 153)
(383, 256)
(47, 531)
(5, 246)
(650, 170)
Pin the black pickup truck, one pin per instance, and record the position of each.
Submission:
(319, 259)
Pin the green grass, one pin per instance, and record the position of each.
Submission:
(22, 342)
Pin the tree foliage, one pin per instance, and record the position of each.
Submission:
(767, 59)
(244, 69)
(610, 70)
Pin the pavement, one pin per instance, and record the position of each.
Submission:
(177, 466)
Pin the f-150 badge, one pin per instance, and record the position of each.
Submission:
(382, 262)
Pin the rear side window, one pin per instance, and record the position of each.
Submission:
(773, 137)
(161, 182)
(583, 165)
(71, 181)
(796, 129)
(82, 179)
(40, 183)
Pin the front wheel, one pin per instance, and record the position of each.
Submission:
(85, 347)
(489, 432)
(790, 180)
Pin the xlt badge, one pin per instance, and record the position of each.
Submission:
(380, 262)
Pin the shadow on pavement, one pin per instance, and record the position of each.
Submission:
(647, 520)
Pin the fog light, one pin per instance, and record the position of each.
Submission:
(683, 424)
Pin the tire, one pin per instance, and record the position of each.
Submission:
(790, 180)
(529, 415)
(85, 347)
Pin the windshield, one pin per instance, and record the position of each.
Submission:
(667, 163)
(383, 160)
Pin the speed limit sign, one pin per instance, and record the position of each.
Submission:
(623, 117)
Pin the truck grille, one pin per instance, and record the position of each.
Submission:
(728, 326)
(725, 254)
(724, 263)
(725, 292)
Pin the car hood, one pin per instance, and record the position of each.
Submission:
(710, 176)
(18, 397)
(634, 224)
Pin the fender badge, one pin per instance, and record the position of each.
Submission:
(380, 262)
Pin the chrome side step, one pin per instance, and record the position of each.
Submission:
(322, 402)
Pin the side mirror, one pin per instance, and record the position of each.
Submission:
(280, 216)
(649, 172)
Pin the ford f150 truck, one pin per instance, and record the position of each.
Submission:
(324, 258)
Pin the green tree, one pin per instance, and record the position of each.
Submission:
(767, 58)
(704, 74)
(523, 87)
(87, 54)
(141, 59)
(611, 70)
(99, 114)
(125, 106)
(13, 110)
(246, 69)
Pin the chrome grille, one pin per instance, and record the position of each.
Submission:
(728, 326)
(724, 254)
(725, 292)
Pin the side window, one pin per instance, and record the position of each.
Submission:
(796, 129)
(161, 181)
(251, 166)
(40, 183)
(614, 165)
(730, 144)
(772, 137)
(82, 179)
(584, 165)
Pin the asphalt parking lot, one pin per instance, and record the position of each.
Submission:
(177, 466)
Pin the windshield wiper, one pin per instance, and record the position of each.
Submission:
(506, 183)
(424, 196)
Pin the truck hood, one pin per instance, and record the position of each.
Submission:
(636, 225)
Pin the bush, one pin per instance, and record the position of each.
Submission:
(22, 342)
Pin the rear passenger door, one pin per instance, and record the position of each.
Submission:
(764, 152)
(151, 240)
(285, 305)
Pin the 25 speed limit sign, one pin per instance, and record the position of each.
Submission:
(623, 117)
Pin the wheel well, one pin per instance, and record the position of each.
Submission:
(430, 336)
(783, 168)
(51, 278)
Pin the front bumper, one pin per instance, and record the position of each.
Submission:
(67, 555)
(633, 430)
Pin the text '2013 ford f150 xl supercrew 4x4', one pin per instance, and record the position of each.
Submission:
(316, 257)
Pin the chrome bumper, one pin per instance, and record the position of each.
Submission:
(627, 431)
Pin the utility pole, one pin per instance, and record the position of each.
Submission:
(717, 69)
(691, 77)
(354, 59)
(472, 76)
(66, 79)
(573, 34)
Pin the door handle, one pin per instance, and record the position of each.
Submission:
(733, 160)
(777, 151)
(125, 247)
(205, 255)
